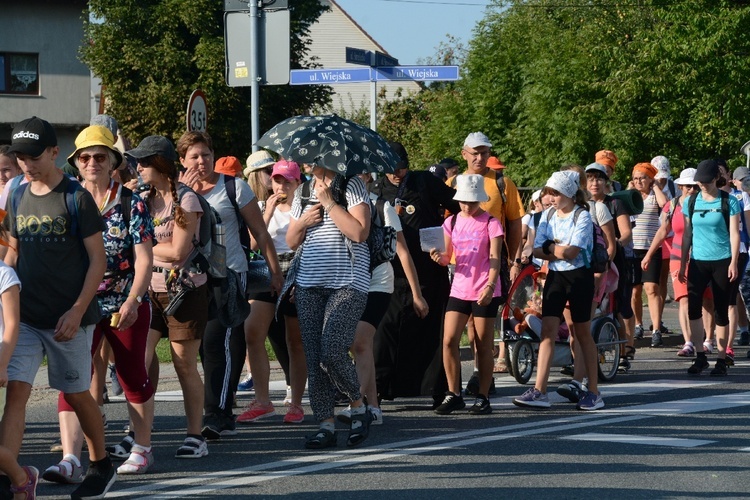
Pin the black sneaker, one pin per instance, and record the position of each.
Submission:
(481, 406)
(656, 338)
(98, 481)
(5, 493)
(472, 387)
(744, 337)
(451, 403)
(638, 334)
(493, 389)
(700, 364)
(720, 370)
(568, 370)
(211, 427)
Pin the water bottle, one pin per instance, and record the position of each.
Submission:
(219, 233)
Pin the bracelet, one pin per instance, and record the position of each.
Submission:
(329, 207)
(490, 285)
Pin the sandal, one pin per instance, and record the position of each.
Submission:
(360, 428)
(501, 366)
(321, 439)
(28, 489)
(192, 448)
(122, 449)
(139, 462)
(629, 352)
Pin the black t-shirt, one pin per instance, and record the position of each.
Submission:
(52, 263)
(423, 199)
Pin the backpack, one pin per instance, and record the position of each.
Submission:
(73, 186)
(209, 255)
(231, 190)
(724, 207)
(599, 256)
(381, 241)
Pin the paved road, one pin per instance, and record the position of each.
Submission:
(662, 434)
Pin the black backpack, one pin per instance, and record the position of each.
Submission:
(724, 208)
(382, 239)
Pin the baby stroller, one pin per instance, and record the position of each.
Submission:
(520, 329)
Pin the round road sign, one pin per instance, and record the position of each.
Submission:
(197, 113)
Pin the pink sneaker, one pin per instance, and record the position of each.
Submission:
(294, 415)
(255, 412)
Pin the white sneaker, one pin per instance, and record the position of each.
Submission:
(377, 416)
(67, 471)
(139, 461)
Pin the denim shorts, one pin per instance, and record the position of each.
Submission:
(68, 363)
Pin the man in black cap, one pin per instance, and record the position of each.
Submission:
(60, 263)
(451, 167)
(408, 356)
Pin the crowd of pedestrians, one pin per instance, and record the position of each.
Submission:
(109, 253)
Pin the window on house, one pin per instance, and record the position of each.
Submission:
(19, 73)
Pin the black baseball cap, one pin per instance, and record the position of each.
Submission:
(400, 151)
(32, 136)
(153, 145)
(708, 170)
(448, 163)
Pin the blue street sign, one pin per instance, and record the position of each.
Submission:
(329, 76)
(358, 56)
(384, 59)
(418, 73)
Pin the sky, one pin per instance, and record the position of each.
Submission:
(411, 30)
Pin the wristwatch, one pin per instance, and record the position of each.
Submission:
(137, 298)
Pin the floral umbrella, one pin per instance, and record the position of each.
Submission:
(332, 142)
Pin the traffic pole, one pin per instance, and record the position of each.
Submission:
(254, 79)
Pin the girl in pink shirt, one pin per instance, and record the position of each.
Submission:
(475, 238)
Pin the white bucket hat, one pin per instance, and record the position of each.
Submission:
(662, 166)
(686, 178)
(470, 188)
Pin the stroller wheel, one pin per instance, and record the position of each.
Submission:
(523, 361)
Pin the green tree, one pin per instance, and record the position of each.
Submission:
(151, 55)
(551, 82)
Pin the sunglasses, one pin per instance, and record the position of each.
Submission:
(145, 162)
(98, 158)
(690, 187)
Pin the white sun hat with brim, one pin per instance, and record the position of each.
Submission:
(470, 188)
(686, 178)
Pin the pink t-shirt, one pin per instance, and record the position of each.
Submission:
(471, 248)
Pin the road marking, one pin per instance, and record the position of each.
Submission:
(336, 459)
(632, 439)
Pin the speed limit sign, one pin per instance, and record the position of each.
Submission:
(197, 113)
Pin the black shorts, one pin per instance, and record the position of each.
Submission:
(468, 307)
(377, 304)
(286, 308)
(575, 287)
(652, 274)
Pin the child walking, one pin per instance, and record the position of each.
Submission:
(23, 479)
(476, 239)
(566, 241)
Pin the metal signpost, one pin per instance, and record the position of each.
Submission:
(256, 41)
(382, 68)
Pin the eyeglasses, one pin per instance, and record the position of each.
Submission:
(98, 158)
(476, 154)
(640, 179)
(268, 170)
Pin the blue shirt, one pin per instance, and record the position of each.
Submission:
(710, 233)
(564, 232)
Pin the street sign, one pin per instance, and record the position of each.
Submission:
(358, 56)
(329, 76)
(197, 112)
(272, 48)
(385, 60)
(418, 73)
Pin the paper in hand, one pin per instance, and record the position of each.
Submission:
(432, 237)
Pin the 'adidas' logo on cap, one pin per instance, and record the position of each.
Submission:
(25, 134)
